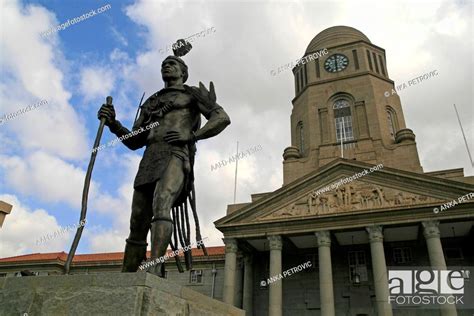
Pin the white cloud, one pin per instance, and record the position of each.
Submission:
(107, 240)
(30, 67)
(96, 82)
(50, 179)
(417, 36)
(119, 37)
(53, 180)
(239, 57)
(118, 55)
(24, 226)
(45, 177)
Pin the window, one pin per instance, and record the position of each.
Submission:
(381, 65)
(301, 79)
(318, 71)
(356, 258)
(297, 82)
(314, 259)
(392, 122)
(344, 129)
(195, 276)
(370, 60)
(356, 59)
(26, 273)
(357, 266)
(402, 255)
(305, 75)
(375, 63)
(300, 133)
(453, 253)
(343, 120)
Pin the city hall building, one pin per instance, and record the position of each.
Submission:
(355, 203)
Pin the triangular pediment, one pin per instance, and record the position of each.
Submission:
(322, 193)
(350, 197)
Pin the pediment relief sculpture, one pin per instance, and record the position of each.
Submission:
(351, 197)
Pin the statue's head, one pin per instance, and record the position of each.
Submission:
(173, 68)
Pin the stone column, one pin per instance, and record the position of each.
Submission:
(433, 241)
(379, 270)
(326, 291)
(230, 270)
(437, 261)
(239, 281)
(275, 305)
(248, 286)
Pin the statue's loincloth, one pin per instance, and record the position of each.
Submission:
(155, 161)
(152, 168)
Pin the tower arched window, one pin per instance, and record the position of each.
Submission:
(300, 133)
(392, 122)
(343, 120)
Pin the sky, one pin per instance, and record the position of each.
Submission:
(44, 153)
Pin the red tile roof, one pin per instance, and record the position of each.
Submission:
(109, 256)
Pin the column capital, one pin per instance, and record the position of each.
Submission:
(375, 233)
(275, 242)
(431, 229)
(324, 238)
(230, 245)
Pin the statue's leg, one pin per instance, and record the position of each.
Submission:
(166, 192)
(135, 248)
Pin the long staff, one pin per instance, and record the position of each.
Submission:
(85, 192)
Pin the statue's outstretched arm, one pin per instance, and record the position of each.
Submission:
(132, 142)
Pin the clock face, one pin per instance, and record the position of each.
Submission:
(336, 62)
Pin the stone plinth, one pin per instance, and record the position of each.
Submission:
(105, 294)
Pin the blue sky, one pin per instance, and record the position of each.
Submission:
(44, 153)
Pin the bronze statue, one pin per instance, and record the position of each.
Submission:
(164, 184)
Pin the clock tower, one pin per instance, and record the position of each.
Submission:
(344, 107)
